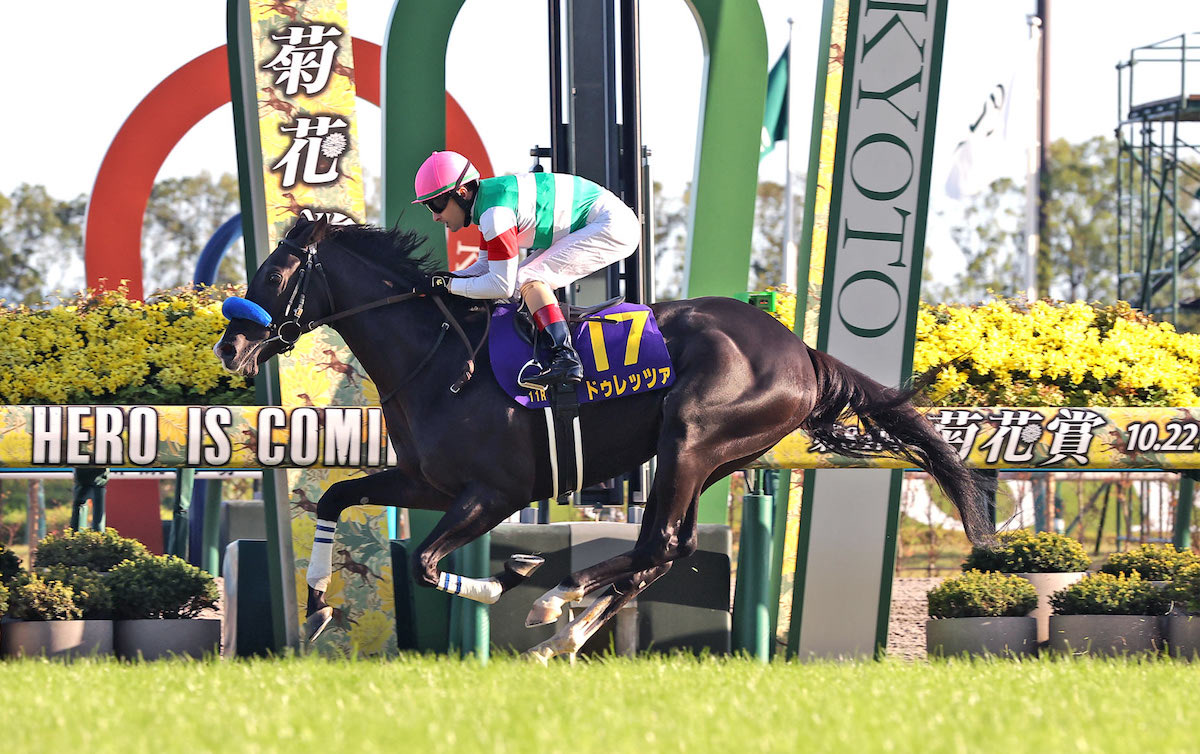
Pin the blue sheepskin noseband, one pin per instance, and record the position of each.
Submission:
(240, 308)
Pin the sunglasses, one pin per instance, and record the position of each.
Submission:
(438, 203)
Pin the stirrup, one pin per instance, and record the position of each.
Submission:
(547, 378)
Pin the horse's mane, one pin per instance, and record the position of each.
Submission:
(398, 253)
(393, 249)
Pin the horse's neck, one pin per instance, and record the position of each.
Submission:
(392, 341)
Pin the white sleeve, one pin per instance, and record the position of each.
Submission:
(498, 225)
(478, 267)
(500, 281)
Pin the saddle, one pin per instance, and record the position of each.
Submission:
(623, 354)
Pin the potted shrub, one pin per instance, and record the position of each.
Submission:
(3, 608)
(1158, 563)
(92, 595)
(1183, 625)
(10, 569)
(94, 550)
(156, 601)
(982, 612)
(1107, 614)
(43, 619)
(10, 565)
(1047, 560)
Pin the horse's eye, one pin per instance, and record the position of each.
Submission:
(275, 278)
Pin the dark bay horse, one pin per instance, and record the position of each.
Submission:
(743, 382)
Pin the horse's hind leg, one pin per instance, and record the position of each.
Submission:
(476, 511)
(687, 466)
(571, 638)
(668, 532)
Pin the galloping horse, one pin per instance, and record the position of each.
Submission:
(743, 382)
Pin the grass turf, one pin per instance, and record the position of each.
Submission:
(612, 705)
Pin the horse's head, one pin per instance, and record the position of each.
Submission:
(280, 304)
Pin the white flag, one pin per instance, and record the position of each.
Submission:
(997, 138)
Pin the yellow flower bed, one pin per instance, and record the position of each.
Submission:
(1010, 353)
(103, 347)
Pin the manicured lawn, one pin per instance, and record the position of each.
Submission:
(422, 704)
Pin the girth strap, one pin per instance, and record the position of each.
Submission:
(566, 441)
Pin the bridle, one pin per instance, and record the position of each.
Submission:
(289, 328)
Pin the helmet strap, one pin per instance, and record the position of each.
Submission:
(468, 205)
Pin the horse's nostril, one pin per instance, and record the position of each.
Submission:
(226, 349)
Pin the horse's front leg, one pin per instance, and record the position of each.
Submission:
(392, 487)
(476, 511)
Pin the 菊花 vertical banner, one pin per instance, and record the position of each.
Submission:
(297, 92)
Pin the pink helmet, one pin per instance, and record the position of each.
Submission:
(442, 172)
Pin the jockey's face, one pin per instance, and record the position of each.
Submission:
(451, 214)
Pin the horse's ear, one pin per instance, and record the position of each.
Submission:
(320, 230)
(299, 229)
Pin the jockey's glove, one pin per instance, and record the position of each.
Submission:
(435, 282)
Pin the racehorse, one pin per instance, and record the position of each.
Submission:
(742, 383)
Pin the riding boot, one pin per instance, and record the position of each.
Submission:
(564, 365)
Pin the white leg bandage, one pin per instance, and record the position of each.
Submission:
(486, 591)
(320, 564)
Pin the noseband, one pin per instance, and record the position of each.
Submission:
(289, 329)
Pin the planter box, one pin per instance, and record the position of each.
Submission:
(1046, 585)
(56, 638)
(155, 638)
(1106, 634)
(1002, 637)
(1183, 636)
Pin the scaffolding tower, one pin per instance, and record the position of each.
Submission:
(1158, 177)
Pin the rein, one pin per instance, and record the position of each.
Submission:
(295, 309)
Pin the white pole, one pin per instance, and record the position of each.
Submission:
(789, 222)
(1032, 175)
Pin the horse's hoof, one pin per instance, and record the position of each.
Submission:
(317, 622)
(523, 565)
(541, 614)
(539, 654)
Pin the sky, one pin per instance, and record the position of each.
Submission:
(77, 69)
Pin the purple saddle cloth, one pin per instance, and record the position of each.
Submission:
(622, 351)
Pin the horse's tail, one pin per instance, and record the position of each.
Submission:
(891, 423)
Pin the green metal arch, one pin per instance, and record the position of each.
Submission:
(726, 177)
(414, 82)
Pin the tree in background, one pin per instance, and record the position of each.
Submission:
(991, 240)
(183, 213)
(770, 212)
(670, 241)
(41, 242)
(1077, 258)
(671, 216)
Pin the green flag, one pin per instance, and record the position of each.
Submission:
(775, 120)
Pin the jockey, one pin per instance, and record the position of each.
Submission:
(571, 227)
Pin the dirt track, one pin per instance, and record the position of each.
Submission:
(906, 628)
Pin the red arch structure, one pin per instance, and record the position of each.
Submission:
(113, 240)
